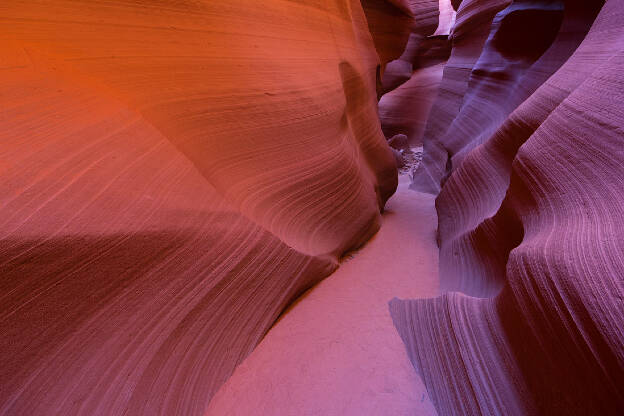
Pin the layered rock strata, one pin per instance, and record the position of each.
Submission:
(471, 29)
(177, 174)
(530, 227)
(174, 175)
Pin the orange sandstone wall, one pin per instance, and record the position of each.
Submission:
(174, 174)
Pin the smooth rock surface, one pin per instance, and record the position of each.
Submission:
(335, 351)
(468, 36)
(178, 178)
(531, 219)
(174, 174)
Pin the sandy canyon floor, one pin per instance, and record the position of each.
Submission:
(336, 350)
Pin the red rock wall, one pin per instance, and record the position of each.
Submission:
(174, 175)
(530, 234)
(404, 109)
(391, 22)
(408, 84)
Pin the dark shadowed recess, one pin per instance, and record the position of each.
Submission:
(526, 33)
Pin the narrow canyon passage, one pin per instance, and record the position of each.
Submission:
(336, 350)
(311, 207)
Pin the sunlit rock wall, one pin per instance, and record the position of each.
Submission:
(174, 174)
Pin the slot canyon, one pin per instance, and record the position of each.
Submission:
(311, 207)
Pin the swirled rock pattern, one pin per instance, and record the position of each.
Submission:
(391, 22)
(404, 110)
(505, 80)
(179, 176)
(530, 227)
(471, 29)
(174, 174)
(410, 83)
(336, 351)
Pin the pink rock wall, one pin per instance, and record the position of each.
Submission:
(471, 29)
(409, 83)
(530, 235)
(512, 82)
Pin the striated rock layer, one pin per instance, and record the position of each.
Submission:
(174, 175)
(530, 224)
(500, 81)
(336, 352)
(405, 109)
(471, 29)
(391, 22)
(410, 83)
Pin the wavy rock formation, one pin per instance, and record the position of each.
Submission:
(500, 90)
(410, 83)
(471, 29)
(405, 108)
(530, 226)
(391, 22)
(178, 178)
(336, 352)
(174, 175)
